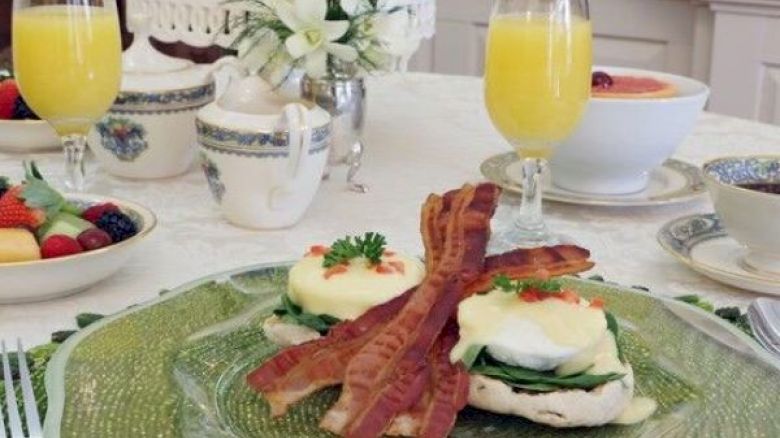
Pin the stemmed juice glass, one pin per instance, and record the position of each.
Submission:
(537, 84)
(67, 61)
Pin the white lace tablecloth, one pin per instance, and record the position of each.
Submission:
(426, 133)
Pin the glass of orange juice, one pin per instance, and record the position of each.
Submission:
(67, 61)
(537, 84)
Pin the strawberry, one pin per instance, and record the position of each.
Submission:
(60, 246)
(94, 213)
(31, 203)
(15, 213)
(9, 92)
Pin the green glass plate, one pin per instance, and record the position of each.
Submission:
(175, 367)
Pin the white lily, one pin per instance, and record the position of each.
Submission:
(256, 53)
(392, 32)
(313, 36)
(355, 7)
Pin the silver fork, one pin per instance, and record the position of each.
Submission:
(28, 396)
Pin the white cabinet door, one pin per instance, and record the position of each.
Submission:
(653, 34)
(745, 76)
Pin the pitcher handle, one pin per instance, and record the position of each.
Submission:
(296, 122)
(234, 70)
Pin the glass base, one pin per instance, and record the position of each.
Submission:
(517, 238)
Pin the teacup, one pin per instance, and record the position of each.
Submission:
(620, 141)
(263, 167)
(749, 216)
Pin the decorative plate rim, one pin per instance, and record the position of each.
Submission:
(688, 261)
(693, 189)
(55, 372)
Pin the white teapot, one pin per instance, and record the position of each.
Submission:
(263, 156)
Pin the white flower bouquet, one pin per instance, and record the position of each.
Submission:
(326, 38)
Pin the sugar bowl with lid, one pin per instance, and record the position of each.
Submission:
(149, 131)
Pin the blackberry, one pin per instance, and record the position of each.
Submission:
(118, 225)
(22, 111)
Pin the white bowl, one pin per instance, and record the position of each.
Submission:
(40, 280)
(27, 136)
(619, 141)
(749, 216)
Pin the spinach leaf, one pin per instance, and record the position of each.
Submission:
(537, 381)
(612, 325)
(290, 312)
(471, 355)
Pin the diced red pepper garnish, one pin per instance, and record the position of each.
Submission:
(335, 270)
(398, 266)
(531, 296)
(597, 303)
(388, 253)
(383, 269)
(317, 250)
(568, 296)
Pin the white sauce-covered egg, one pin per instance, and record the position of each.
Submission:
(539, 335)
(347, 295)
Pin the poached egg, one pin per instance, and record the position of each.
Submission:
(551, 334)
(353, 288)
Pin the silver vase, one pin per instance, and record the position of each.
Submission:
(344, 97)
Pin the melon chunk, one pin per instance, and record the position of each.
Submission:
(18, 245)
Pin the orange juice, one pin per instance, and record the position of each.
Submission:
(68, 63)
(537, 79)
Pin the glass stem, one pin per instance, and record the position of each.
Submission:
(528, 218)
(74, 146)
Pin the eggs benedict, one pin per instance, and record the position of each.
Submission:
(537, 350)
(339, 282)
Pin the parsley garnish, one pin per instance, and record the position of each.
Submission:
(508, 285)
(370, 246)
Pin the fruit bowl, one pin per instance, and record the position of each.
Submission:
(27, 136)
(40, 280)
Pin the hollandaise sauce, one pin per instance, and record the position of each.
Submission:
(353, 288)
(538, 335)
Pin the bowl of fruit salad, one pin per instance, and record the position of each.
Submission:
(21, 130)
(634, 122)
(53, 245)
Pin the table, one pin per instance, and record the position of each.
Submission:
(425, 133)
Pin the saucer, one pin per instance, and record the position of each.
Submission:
(701, 242)
(674, 182)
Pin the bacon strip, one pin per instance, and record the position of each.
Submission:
(298, 371)
(446, 393)
(536, 262)
(381, 376)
